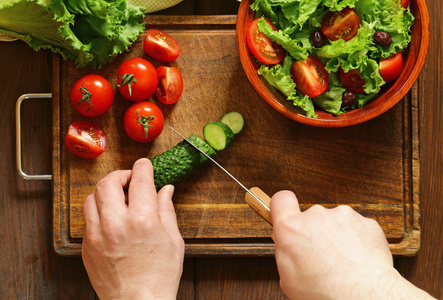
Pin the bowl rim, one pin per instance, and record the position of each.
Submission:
(356, 116)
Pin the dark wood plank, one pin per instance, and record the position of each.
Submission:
(426, 269)
(29, 266)
(237, 278)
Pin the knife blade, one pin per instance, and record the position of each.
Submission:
(258, 200)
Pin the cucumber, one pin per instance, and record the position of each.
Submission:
(234, 120)
(218, 135)
(176, 164)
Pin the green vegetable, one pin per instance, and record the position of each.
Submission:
(234, 120)
(176, 164)
(218, 135)
(297, 19)
(90, 32)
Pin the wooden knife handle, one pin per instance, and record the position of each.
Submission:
(264, 212)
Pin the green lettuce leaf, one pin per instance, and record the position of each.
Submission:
(89, 32)
(279, 77)
(294, 47)
(331, 99)
(388, 16)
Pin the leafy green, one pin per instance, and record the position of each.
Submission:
(279, 76)
(296, 19)
(90, 32)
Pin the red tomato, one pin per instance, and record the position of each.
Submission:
(137, 79)
(143, 121)
(85, 140)
(92, 95)
(310, 76)
(342, 24)
(170, 85)
(265, 50)
(352, 81)
(404, 3)
(391, 67)
(161, 46)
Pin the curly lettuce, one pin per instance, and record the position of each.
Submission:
(90, 32)
(279, 76)
(297, 19)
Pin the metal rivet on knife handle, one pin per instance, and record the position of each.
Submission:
(259, 208)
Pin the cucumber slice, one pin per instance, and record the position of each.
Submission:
(176, 164)
(218, 135)
(234, 120)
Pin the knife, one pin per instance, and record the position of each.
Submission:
(255, 197)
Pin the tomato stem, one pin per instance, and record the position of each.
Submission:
(86, 96)
(144, 121)
(127, 79)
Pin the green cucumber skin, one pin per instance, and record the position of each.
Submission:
(176, 164)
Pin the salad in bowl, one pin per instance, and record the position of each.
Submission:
(327, 56)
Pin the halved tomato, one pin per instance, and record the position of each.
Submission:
(265, 50)
(170, 85)
(161, 46)
(342, 24)
(404, 3)
(310, 76)
(85, 140)
(391, 67)
(352, 81)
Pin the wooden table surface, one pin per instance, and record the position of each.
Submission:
(29, 266)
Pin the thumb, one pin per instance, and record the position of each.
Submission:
(282, 203)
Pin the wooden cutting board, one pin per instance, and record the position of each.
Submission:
(374, 167)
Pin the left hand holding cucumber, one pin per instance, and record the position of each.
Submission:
(132, 247)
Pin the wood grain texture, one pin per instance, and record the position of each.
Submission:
(426, 269)
(369, 167)
(30, 268)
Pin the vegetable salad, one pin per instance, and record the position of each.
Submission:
(296, 20)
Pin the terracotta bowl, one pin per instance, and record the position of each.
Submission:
(390, 94)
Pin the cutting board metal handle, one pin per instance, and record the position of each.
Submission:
(18, 134)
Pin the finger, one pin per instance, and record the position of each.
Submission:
(92, 222)
(142, 193)
(109, 194)
(282, 203)
(167, 214)
(90, 212)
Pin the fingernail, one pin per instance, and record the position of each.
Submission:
(170, 189)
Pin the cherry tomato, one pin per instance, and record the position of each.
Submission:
(310, 77)
(161, 46)
(342, 24)
(352, 81)
(92, 95)
(265, 50)
(170, 85)
(143, 121)
(404, 3)
(85, 140)
(137, 79)
(391, 67)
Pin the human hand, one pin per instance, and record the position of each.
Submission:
(132, 250)
(333, 254)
